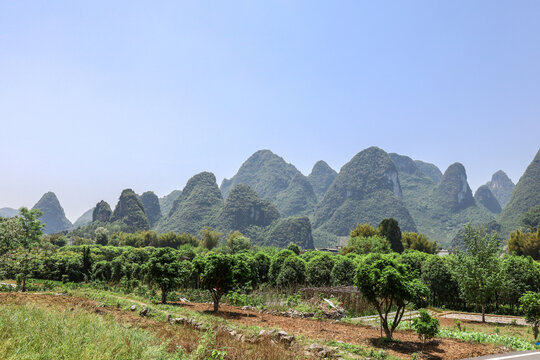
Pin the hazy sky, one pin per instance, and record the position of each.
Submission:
(100, 96)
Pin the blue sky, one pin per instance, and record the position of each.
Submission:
(100, 96)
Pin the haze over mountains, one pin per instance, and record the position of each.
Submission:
(273, 203)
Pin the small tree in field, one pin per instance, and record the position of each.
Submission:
(530, 304)
(389, 285)
(389, 228)
(165, 269)
(217, 276)
(477, 270)
(426, 326)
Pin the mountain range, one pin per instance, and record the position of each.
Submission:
(273, 203)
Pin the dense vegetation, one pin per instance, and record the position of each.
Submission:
(166, 202)
(366, 190)
(197, 206)
(321, 177)
(525, 196)
(130, 211)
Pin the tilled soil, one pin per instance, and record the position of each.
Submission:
(408, 342)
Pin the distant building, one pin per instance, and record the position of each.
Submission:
(444, 252)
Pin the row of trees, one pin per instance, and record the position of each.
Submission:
(389, 280)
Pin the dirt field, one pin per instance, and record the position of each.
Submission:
(188, 338)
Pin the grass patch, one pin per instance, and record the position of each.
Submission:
(28, 332)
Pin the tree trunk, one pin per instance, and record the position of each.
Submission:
(483, 313)
(216, 305)
(24, 284)
(163, 297)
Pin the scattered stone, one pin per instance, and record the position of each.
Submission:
(321, 351)
(133, 307)
(247, 307)
(144, 311)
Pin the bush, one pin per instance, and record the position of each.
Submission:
(426, 326)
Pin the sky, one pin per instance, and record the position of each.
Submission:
(100, 96)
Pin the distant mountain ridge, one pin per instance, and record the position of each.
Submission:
(526, 195)
(53, 216)
(501, 187)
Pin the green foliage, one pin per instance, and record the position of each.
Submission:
(525, 243)
(521, 274)
(197, 206)
(53, 215)
(530, 220)
(420, 242)
(388, 285)
(426, 326)
(102, 212)
(414, 260)
(366, 190)
(166, 271)
(292, 273)
(276, 264)
(291, 229)
(294, 248)
(525, 196)
(321, 177)
(367, 245)
(319, 270)
(530, 305)
(477, 270)
(151, 207)
(210, 238)
(389, 228)
(33, 333)
(430, 170)
(130, 211)
(217, 276)
(238, 242)
(364, 230)
(102, 236)
(263, 266)
(437, 275)
(343, 271)
(11, 234)
(32, 226)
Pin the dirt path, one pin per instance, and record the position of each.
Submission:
(496, 319)
(408, 343)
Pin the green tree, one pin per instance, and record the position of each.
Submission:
(11, 233)
(389, 228)
(276, 264)
(367, 245)
(522, 274)
(32, 227)
(420, 242)
(364, 230)
(530, 220)
(426, 326)
(530, 305)
(102, 236)
(217, 276)
(388, 285)
(319, 270)
(237, 242)
(438, 277)
(263, 266)
(525, 243)
(343, 271)
(294, 248)
(292, 273)
(164, 269)
(477, 270)
(210, 238)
